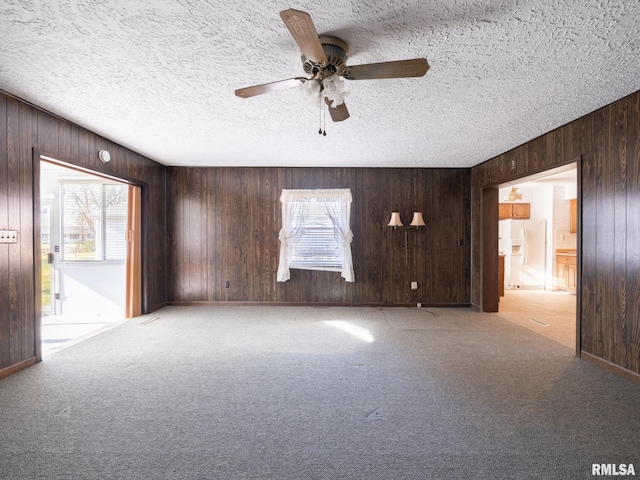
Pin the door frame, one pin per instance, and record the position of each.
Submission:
(133, 289)
(134, 278)
(488, 250)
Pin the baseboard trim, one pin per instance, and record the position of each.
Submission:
(315, 304)
(157, 307)
(611, 367)
(29, 362)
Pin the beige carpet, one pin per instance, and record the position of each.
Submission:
(293, 393)
(550, 314)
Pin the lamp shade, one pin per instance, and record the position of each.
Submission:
(395, 220)
(417, 220)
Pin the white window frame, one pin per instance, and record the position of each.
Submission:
(316, 232)
(110, 243)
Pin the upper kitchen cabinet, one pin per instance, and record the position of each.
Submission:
(519, 211)
(504, 211)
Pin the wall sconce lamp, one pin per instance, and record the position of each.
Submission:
(417, 221)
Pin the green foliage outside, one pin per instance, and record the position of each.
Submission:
(46, 281)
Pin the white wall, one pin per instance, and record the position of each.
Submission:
(87, 288)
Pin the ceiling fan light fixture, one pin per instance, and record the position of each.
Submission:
(310, 91)
(324, 61)
(333, 89)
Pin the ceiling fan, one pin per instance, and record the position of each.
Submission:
(324, 58)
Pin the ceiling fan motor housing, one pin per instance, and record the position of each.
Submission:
(335, 50)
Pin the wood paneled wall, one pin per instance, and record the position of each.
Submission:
(608, 142)
(223, 225)
(22, 129)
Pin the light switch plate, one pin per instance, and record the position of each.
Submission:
(8, 236)
(414, 285)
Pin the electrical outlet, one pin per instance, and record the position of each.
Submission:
(226, 284)
(8, 236)
(414, 285)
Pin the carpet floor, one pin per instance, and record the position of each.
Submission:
(316, 393)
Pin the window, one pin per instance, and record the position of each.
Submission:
(94, 221)
(315, 232)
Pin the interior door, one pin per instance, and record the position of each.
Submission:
(133, 301)
(47, 258)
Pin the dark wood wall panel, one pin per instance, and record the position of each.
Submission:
(23, 128)
(589, 228)
(27, 292)
(632, 325)
(235, 213)
(608, 143)
(619, 212)
(21, 345)
(5, 322)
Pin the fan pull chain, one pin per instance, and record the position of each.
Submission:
(322, 130)
(320, 116)
(324, 120)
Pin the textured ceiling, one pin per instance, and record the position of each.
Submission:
(159, 77)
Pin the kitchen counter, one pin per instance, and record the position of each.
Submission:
(566, 251)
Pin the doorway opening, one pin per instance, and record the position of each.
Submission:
(83, 254)
(538, 248)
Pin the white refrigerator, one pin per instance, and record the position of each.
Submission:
(526, 253)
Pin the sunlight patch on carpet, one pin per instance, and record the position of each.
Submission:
(354, 330)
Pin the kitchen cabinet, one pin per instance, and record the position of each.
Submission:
(520, 211)
(573, 215)
(504, 211)
(566, 271)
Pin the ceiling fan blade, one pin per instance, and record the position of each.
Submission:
(398, 69)
(339, 113)
(304, 33)
(269, 87)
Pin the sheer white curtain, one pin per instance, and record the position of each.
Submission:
(340, 213)
(295, 205)
(293, 219)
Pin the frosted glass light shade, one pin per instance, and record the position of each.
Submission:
(417, 220)
(395, 220)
